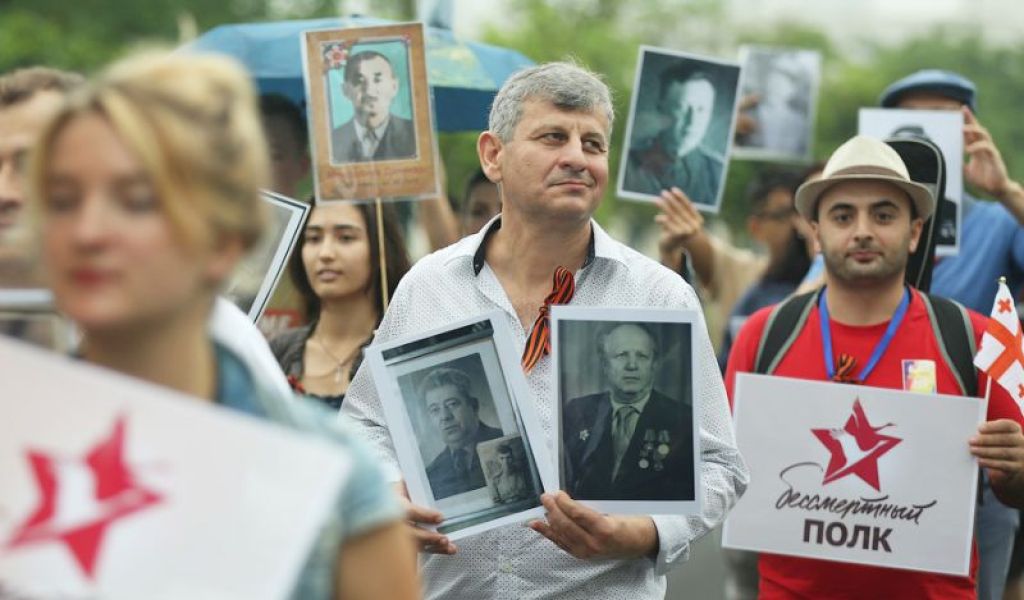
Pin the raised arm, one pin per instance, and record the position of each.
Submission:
(986, 170)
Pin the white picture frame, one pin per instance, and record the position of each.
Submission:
(255, 278)
(945, 129)
(482, 349)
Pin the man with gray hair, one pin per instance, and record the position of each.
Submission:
(547, 150)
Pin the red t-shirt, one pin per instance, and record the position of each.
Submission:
(792, 577)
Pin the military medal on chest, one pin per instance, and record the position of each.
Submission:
(654, 450)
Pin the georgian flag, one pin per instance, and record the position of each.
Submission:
(1001, 355)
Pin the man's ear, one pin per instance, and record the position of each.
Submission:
(489, 149)
(346, 90)
(916, 227)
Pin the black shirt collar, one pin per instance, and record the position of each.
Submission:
(480, 256)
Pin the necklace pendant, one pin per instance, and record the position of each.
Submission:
(338, 374)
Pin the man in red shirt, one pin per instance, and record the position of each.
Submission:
(868, 217)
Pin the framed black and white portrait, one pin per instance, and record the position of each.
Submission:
(467, 438)
(945, 129)
(254, 279)
(370, 113)
(782, 86)
(627, 412)
(680, 127)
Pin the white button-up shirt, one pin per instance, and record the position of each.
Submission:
(514, 562)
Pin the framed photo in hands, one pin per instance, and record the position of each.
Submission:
(468, 441)
(628, 414)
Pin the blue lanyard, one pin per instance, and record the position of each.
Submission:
(883, 344)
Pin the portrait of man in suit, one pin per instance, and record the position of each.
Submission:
(374, 132)
(631, 441)
(451, 408)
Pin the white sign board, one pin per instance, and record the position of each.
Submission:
(945, 129)
(855, 474)
(116, 488)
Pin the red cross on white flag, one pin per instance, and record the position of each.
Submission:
(1001, 355)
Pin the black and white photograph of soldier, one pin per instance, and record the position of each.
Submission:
(379, 123)
(781, 87)
(627, 410)
(506, 471)
(680, 127)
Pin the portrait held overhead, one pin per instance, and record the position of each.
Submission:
(680, 127)
(944, 128)
(779, 92)
(468, 419)
(627, 408)
(370, 113)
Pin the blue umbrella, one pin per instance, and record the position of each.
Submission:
(463, 75)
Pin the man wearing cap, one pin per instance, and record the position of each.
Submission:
(991, 246)
(867, 216)
(992, 241)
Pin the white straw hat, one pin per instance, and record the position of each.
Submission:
(864, 158)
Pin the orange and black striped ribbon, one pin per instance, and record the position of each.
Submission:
(844, 369)
(539, 342)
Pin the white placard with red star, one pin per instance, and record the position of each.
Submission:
(855, 474)
(114, 488)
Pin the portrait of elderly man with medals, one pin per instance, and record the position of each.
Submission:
(631, 441)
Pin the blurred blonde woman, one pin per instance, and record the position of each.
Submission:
(146, 187)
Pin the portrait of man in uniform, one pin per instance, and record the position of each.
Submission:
(374, 132)
(506, 466)
(630, 441)
(678, 134)
(454, 411)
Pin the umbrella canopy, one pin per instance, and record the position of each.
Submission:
(463, 75)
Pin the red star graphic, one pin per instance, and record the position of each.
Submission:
(855, 448)
(79, 516)
(1005, 305)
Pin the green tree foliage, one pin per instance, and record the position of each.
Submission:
(84, 34)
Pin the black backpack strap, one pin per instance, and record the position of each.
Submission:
(784, 324)
(952, 327)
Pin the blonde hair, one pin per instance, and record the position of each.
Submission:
(193, 123)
